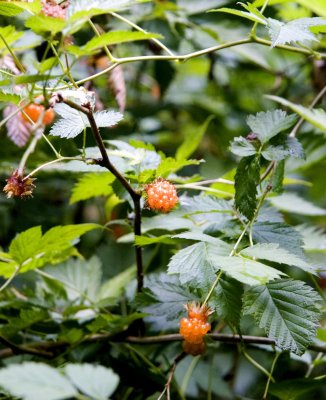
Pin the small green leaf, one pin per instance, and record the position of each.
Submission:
(242, 147)
(146, 240)
(317, 117)
(169, 165)
(25, 244)
(268, 124)
(245, 181)
(36, 381)
(110, 38)
(192, 140)
(9, 34)
(10, 9)
(244, 14)
(115, 287)
(92, 185)
(286, 309)
(95, 381)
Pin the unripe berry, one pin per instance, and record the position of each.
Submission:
(161, 195)
(33, 111)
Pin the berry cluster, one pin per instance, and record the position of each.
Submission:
(161, 195)
(194, 328)
(51, 9)
(33, 112)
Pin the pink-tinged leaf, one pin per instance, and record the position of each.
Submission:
(117, 83)
(8, 62)
(18, 130)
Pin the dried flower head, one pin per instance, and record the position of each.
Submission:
(18, 186)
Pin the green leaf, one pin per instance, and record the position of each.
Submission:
(80, 278)
(286, 310)
(314, 238)
(196, 263)
(95, 381)
(291, 147)
(273, 252)
(164, 297)
(245, 181)
(242, 147)
(227, 300)
(192, 140)
(9, 97)
(317, 6)
(31, 250)
(275, 232)
(256, 17)
(92, 185)
(146, 241)
(294, 31)
(13, 8)
(245, 270)
(268, 124)
(317, 117)
(25, 244)
(41, 24)
(204, 204)
(278, 177)
(36, 381)
(111, 38)
(292, 203)
(169, 165)
(115, 287)
(298, 388)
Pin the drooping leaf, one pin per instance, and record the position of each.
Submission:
(92, 185)
(286, 310)
(252, 14)
(245, 182)
(36, 381)
(268, 124)
(273, 252)
(242, 147)
(192, 140)
(95, 381)
(316, 116)
(294, 31)
(227, 300)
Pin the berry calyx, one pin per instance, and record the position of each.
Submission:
(161, 195)
(18, 186)
(33, 112)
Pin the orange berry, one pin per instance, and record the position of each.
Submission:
(33, 111)
(194, 348)
(161, 195)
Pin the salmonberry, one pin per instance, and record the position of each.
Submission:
(161, 195)
(33, 112)
(194, 328)
(18, 186)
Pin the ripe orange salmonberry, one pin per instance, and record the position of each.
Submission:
(194, 328)
(161, 195)
(33, 111)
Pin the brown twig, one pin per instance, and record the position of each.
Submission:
(106, 163)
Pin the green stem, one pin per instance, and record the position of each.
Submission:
(319, 289)
(10, 279)
(50, 163)
(209, 294)
(138, 28)
(51, 145)
(258, 366)
(313, 364)
(270, 375)
(84, 144)
(65, 71)
(13, 55)
(188, 373)
(106, 49)
(254, 28)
